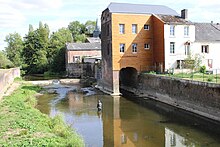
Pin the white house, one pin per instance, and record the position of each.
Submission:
(207, 45)
(179, 33)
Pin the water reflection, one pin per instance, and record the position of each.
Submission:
(121, 122)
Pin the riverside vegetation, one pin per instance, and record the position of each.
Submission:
(21, 124)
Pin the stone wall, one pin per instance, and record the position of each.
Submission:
(7, 77)
(198, 97)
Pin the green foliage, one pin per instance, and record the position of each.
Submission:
(14, 48)
(4, 62)
(90, 26)
(35, 50)
(56, 54)
(80, 38)
(38, 52)
(23, 125)
(210, 79)
(202, 69)
(193, 62)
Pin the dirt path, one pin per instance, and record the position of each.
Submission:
(10, 89)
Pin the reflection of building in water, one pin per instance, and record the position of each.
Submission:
(175, 140)
(125, 126)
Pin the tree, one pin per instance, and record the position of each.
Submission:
(193, 62)
(4, 62)
(90, 26)
(14, 48)
(35, 49)
(56, 53)
(77, 29)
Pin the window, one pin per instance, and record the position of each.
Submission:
(76, 59)
(134, 48)
(172, 47)
(186, 31)
(172, 30)
(134, 28)
(108, 48)
(205, 49)
(187, 49)
(121, 28)
(122, 48)
(146, 27)
(147, 46)
(107, 29)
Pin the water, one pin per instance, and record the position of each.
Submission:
(124, 122)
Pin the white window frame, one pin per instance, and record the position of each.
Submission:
(147, 46)
(147, 27)
(122, 28)
(187, 49)
(172, 30)
(172, 47)
(76, 59)
(134, 28)
(186, 31)
(122, 47)
(134, 47)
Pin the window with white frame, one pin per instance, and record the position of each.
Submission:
(121, 28)
(172, 30)
(76, 59)
(146, 27)
(122, 47)
(134, 47)
(172, 47)
(134, 28)
(146, 46)
(205, 49)
(186, 31)
(187, 49)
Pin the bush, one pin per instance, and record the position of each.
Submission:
(210, 79)
(202, 69)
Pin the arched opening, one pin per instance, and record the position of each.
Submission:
(128, 77)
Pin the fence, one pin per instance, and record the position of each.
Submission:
(191, 74)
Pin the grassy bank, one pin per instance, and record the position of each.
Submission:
(23, 125)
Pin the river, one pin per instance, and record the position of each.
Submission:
(125, 120)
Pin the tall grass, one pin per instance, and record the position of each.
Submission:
(23, 125)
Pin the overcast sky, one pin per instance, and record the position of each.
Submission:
(16, 15)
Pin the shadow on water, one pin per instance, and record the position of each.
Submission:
(124, 121)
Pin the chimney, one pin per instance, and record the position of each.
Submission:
(184, 14)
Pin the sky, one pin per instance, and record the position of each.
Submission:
(16, 15)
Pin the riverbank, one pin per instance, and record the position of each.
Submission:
(23, 125)
(197, 97)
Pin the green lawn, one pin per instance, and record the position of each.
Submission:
(23, 125)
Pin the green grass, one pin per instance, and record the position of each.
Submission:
(198, 77)
(23, 125)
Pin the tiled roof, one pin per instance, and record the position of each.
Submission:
(207, 32)
(141, 9)
(93, 39)
(83, 46)
(174, 19)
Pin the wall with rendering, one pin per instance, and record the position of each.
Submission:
(7, 77)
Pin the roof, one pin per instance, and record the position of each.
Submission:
(207, 32)
(141, 9)
(174, 19)
(83, 46)
(93, 39)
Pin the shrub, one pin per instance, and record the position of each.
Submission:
(202, 69)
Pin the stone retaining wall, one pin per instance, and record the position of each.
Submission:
(198, 97)
(7, 77)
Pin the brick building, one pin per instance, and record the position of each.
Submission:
(139, 38)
